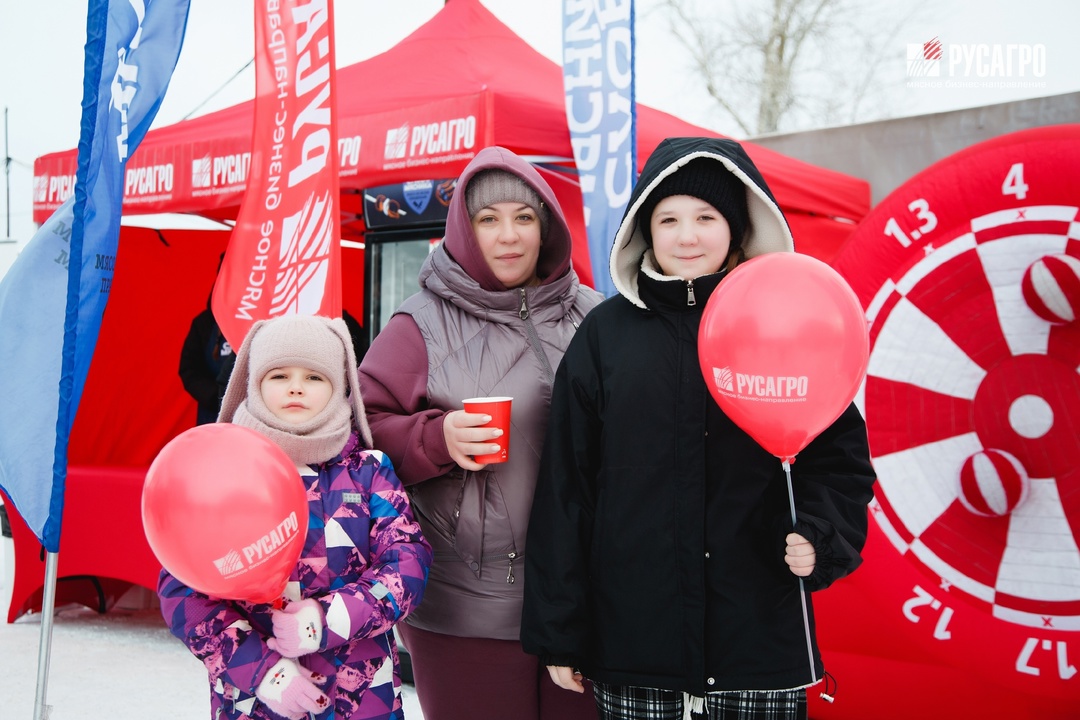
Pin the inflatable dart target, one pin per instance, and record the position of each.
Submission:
(970, 278)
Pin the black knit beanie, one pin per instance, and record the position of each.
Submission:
(708, 180)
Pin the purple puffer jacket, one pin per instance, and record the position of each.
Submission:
(368, 573)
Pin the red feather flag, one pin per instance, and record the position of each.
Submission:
(284, 257)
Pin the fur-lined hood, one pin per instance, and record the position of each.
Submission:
(768, 230)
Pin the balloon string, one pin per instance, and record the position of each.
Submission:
(790, 494)
(802, 586)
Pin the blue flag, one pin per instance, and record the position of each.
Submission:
(598, 81)
(53, 297)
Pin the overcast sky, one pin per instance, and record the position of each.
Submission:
(41, 62)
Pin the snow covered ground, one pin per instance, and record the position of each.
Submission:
(121, 665)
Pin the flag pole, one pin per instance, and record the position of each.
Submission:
(48, 601)
(7, 174)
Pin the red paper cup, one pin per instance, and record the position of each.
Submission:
(499, 410)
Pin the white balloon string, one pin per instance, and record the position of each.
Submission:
(802, 586)
(790, 494)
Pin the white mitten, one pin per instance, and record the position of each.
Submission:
(291, 691)
(297, 629)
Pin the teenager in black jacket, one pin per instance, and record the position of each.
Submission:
(662, 562)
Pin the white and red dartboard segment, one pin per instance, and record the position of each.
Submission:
(970, 278)
(960, 358)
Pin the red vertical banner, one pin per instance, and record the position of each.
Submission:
(284, 257)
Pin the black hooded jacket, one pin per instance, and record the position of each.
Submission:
(656, 541)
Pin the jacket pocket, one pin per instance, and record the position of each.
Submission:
(437, 504)
(470, 514)
(484, 532)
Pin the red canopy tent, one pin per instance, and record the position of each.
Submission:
(461, 81)
(421, 110)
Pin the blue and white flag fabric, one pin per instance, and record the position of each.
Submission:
(53, 297)
(598, 81)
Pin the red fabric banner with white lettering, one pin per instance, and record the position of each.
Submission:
(284, 257)
(207, 174)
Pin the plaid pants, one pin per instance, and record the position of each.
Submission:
(626, 702)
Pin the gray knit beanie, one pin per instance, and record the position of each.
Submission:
(488, 187)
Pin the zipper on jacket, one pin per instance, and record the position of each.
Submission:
(570, 317)
(534, 340)
(510, 569)
(691, 301)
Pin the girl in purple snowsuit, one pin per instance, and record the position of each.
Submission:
(330, 651)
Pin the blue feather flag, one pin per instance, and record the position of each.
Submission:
(53, 298)
(601, 113)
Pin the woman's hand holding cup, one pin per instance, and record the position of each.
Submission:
(465, 438)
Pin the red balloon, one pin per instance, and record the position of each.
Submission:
(225, 511)
(783, 347)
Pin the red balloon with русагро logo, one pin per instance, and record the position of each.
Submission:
(226, 513)
(783, 346)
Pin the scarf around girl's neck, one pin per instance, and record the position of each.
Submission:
(316, 441)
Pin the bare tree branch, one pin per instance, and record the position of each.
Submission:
(772, 63)
(708, 56)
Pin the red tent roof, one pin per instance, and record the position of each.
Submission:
(463, 57)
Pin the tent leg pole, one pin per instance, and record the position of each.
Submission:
(48, 601)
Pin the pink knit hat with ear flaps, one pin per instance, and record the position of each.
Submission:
(309, 341)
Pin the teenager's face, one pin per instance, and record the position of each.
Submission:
(509, 237)
(690, 237)
(295, 394)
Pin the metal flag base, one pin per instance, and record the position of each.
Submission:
(48, 602)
